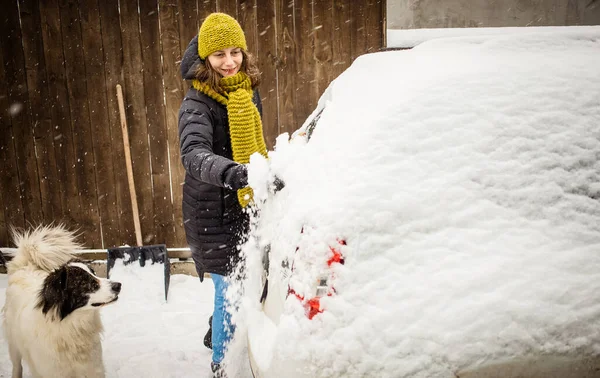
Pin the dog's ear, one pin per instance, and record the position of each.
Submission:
(52, 294)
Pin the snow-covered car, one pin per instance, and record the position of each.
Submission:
(441, 214)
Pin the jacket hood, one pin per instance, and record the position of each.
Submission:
(190, 60)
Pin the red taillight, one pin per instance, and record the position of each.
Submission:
(324, 287)
(337, 255)
(313, 307)
(336, 258)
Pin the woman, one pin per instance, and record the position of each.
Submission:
(219, 128)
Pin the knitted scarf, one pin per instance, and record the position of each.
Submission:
(245, 126)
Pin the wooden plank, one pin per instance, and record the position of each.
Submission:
(99, 117)
(358, 32)
(175, 267)
(11, 208)
(306, 85)
(287, 72)
(374, 25)
(164, 229)
(113, 74)
(323, 27)
(15, 80)
(384, 25)
(85, 175)
(173, 88)
(205, 7)
(136, 115)
(189, 19)
(93, 255)
(228, 6)
(58, 103)
(33, 48)
(246, 12)
(267, 62)
(342, 41)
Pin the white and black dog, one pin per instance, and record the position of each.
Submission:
(51, 318)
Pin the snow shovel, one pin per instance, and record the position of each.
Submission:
(154, 253)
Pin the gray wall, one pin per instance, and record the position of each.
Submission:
(416, 14)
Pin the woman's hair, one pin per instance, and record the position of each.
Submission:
(207, 74)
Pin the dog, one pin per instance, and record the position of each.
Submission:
(51, 318)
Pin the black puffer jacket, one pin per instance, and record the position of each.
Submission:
(214, 221)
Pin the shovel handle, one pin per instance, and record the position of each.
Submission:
(126, 147)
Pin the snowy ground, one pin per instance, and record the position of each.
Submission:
(144, 336)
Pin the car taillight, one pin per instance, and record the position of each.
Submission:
(324, 286)
(337, 255)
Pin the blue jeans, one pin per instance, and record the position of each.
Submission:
(222, 329)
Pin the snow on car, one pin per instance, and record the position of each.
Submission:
(441, 213)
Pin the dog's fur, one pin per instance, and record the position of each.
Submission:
(51, 318)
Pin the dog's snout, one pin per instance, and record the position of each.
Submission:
(116, 287)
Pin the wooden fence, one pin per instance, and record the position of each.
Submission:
(61, 148)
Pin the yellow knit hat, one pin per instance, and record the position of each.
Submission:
(219, 31)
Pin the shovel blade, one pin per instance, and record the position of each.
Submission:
(155, 253)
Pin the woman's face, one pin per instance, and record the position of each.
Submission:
(226, 62)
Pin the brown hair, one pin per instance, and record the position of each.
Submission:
(207, 74)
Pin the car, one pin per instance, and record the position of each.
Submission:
(440, 216)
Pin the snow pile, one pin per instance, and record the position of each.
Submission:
(407, 38)
(151, 337)
(464, 175)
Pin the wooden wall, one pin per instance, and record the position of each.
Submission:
(61, 148)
